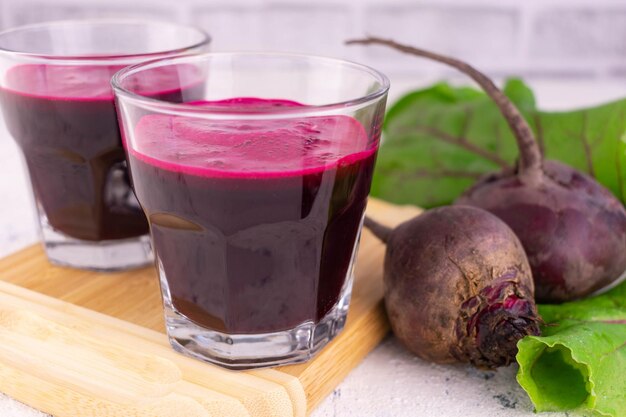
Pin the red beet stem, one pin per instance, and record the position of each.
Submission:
(380, 231)
(530, 163)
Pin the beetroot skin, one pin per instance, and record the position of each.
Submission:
(574, 228)
(458, 287)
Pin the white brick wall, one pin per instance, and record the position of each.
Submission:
(540, 38)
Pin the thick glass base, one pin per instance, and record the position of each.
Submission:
(105, 256)
(247, 351)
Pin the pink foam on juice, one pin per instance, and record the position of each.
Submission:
(93, 82)
(251, 148)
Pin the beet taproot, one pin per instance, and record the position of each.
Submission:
(572, 228)
(458, 287)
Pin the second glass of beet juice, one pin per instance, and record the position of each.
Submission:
(58, 105)
(255, 195)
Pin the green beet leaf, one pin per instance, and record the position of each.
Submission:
(591, 140)
(440, 140)
(579, 362)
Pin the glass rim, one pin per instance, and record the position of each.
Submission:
(220, 112)
(205, 39)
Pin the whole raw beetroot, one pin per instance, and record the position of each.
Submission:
(572, 228)
(458, 286)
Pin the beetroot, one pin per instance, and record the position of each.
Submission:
(458, 286)
(572, 228)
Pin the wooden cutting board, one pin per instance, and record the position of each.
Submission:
(84, 344)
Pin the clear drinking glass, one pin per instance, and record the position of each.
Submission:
(255, 195)
(58, 105)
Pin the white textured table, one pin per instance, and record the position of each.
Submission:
(390, 382)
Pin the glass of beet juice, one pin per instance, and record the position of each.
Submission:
(255, 194)
(58, 105)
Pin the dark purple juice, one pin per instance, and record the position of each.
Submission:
(63, 118)
(254, 221)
